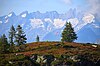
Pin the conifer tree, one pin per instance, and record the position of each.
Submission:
(12, 33)
(37, 38)
(4, 46)
(68, 34)
(20, 36)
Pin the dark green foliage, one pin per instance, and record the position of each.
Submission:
(17, 36)
(16, 60)
(37, 38)
(68, 34)
(49, 59)
(4, 46)
(12, 33)
(12, 48)
(68, 47)
(20, 36)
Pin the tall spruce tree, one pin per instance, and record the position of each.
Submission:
(4, 46)
(12, 33)
(68, 34)
(20, 36)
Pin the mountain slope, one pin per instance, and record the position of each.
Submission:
(49, 25)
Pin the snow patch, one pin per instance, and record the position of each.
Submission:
(79, 26)
(9, 15)
(50, 24)
(35, 23)
(88, 18)
(48, 20)
(6, 21)
(24, 15)
(73, 21)
(96, 26)
(59, 23)
(6, 17)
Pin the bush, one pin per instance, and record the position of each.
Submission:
(68, 47)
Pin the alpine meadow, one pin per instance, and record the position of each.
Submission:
(49, 33)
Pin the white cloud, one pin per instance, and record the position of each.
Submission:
(88, 18)
(59, 23)
(35, 23)
(23, 15)
(94, 8)
(73, 21)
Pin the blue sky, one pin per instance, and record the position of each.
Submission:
(61, 6)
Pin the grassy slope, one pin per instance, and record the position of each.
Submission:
(43, 48)
(55, 48)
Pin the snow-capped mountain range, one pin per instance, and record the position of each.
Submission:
(49, 25)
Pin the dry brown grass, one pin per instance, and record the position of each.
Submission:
(79, 48)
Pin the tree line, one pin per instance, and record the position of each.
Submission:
(17, 37)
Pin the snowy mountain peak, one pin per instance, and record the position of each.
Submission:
(24, 14)
(11, 14)
(51, 24)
